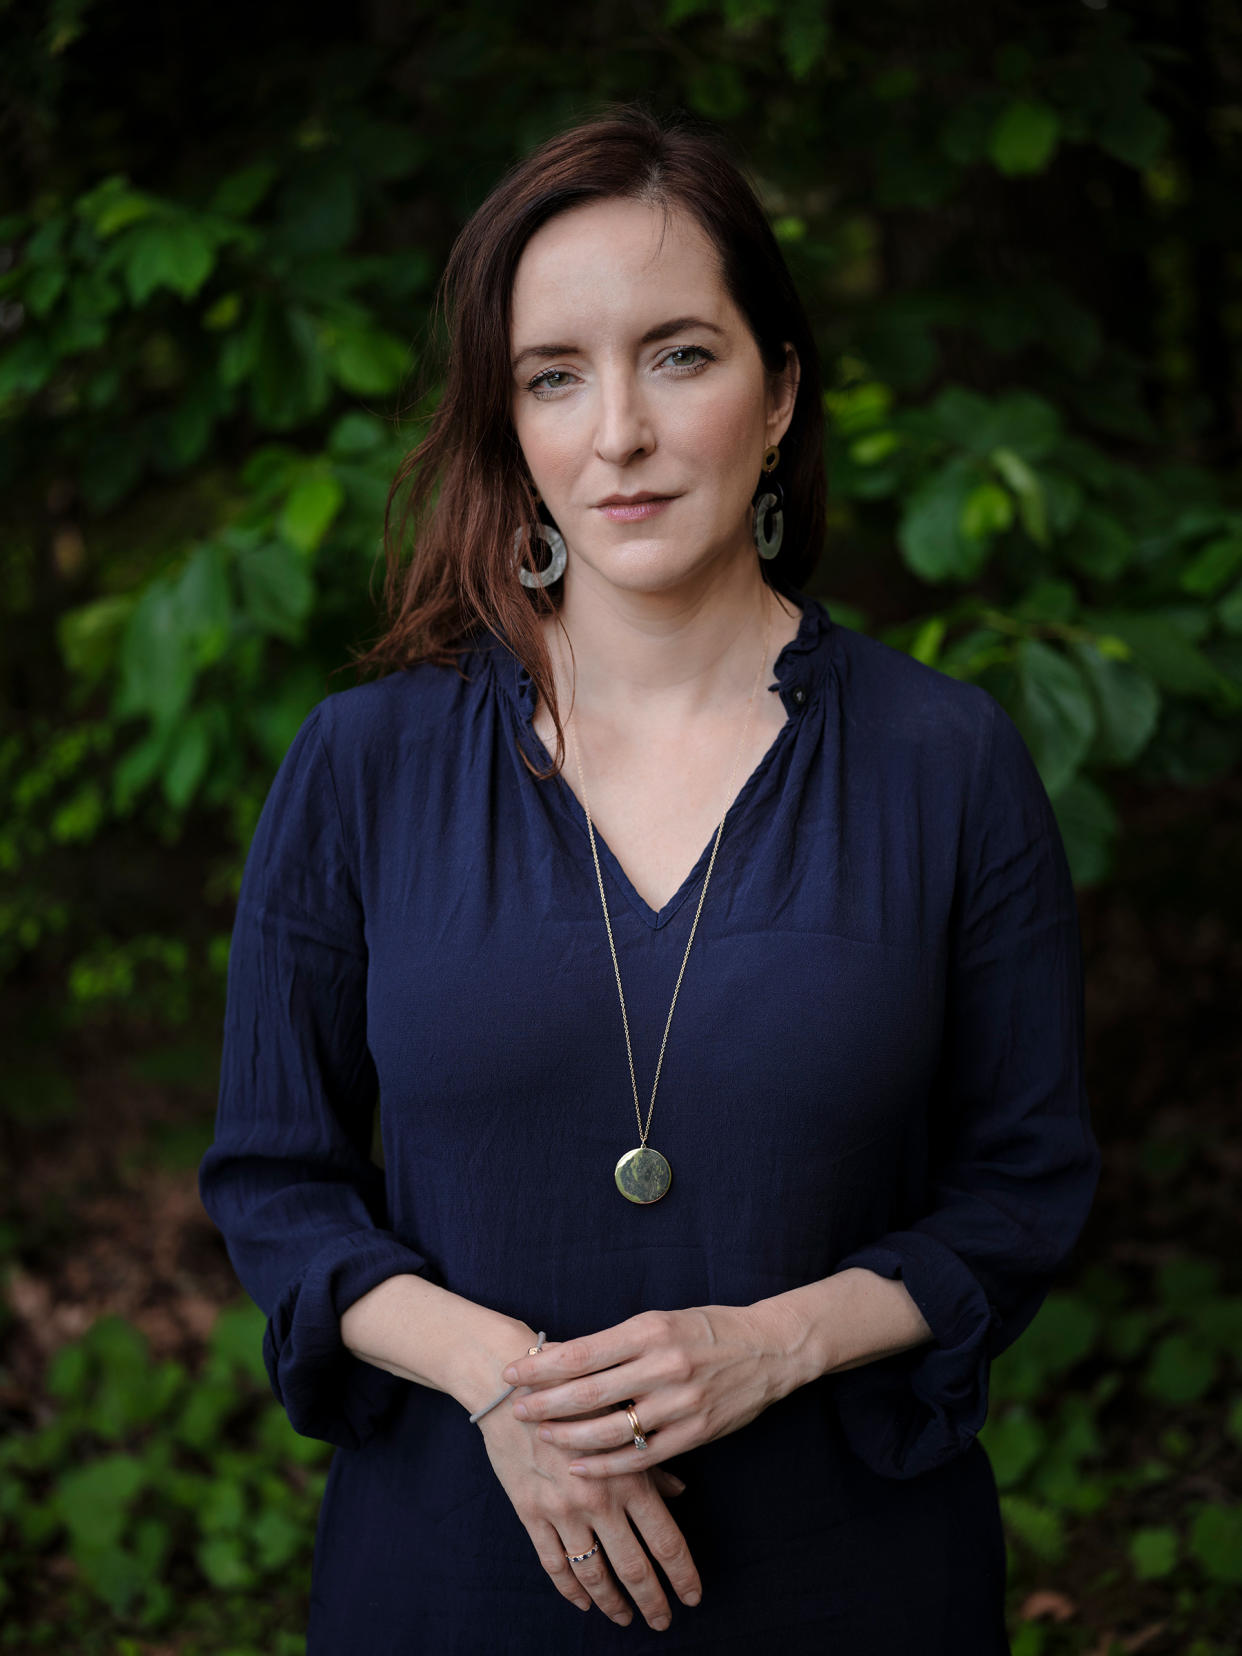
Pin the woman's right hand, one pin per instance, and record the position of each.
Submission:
(568, 1514)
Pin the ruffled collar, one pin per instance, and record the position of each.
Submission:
(799, 670)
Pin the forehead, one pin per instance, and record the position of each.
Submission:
(609, 262)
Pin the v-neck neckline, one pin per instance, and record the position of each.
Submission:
(797, 698)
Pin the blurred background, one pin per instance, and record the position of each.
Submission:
(1016, 228)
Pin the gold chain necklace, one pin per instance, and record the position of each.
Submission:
(642, 1174)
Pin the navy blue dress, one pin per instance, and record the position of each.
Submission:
(876, 1060)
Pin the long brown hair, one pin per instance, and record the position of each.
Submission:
(468, 484)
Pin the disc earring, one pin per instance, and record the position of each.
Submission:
(556, 564)
(769, 523)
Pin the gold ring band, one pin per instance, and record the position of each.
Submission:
(640, 1439)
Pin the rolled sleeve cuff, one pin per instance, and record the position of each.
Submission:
(914, 1410)
(325, 1389)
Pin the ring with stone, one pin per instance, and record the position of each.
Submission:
(640, 1440)
(581, 1558)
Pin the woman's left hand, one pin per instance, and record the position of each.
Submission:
(692, 1375)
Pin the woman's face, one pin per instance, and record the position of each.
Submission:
(633, 372)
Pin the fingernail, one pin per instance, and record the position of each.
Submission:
(660, 1624)
(510, 1375)
(678, 1481)
(621, 1619)
(577, 1467)
(692, 1598)
(521, 1411)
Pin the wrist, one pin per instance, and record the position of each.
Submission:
(476, 1379)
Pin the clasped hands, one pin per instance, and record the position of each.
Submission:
(693, 1375)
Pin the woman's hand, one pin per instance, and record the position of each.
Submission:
(693, 1376)
(562, 1514)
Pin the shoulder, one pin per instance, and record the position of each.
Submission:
(916, 711)
(408, 707)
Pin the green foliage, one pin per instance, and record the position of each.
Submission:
(185, 1502)
(1164, 1347)
(205, 348)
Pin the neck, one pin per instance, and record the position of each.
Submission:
(663, 656)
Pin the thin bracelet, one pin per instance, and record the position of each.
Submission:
(509, 1390)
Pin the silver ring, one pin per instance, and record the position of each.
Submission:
(581, 1558)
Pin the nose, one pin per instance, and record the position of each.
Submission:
(624, 425)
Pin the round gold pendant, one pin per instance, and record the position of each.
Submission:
(643, 1175)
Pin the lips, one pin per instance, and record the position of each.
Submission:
(632, 500)
(630, 511)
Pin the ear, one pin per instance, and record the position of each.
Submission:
(782, 395)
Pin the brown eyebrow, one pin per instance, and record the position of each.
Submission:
(662, 330)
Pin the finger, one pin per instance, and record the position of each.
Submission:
(634, 1570)
(661, 1446)
(574, 1357)
(610, 1388)
(605, 1431)
(668, 1483)
(594, 1575)
(658, 1531)
(552, 1556)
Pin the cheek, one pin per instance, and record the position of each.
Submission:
(724, 434)
(553, 448)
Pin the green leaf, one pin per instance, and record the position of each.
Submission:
(43, 289)
(930, 532)
(289, 381)
(1154, 1553)
(870, 450)
(1216, 1543)
(988, 510)
(114, 205)
(240, 193)
(237, 1338)
(277, 589)
(366, 360)
(1098, 545)
(25, 366)
(90, 636)
(1088, 825)
(1181, 1370)
(157, 670)
(1053, 710)
(176, 254)
(1127, 704)
(1014, 1443)
(805, 30)
(1161, 648)
(313, 502)
(1024, 137)
(1213, 566)
(356, 434)
(1038, 1526)
(94, 1500)
(187, 763)
(222, 1561)
(1029, 490)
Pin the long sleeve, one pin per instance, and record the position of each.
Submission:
(1014, 1162)
(289, 1180)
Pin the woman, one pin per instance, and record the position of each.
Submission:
(759, 1108)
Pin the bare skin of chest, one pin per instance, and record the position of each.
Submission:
(657, 800)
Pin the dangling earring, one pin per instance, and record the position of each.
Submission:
(556, 564)
(771, 501)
